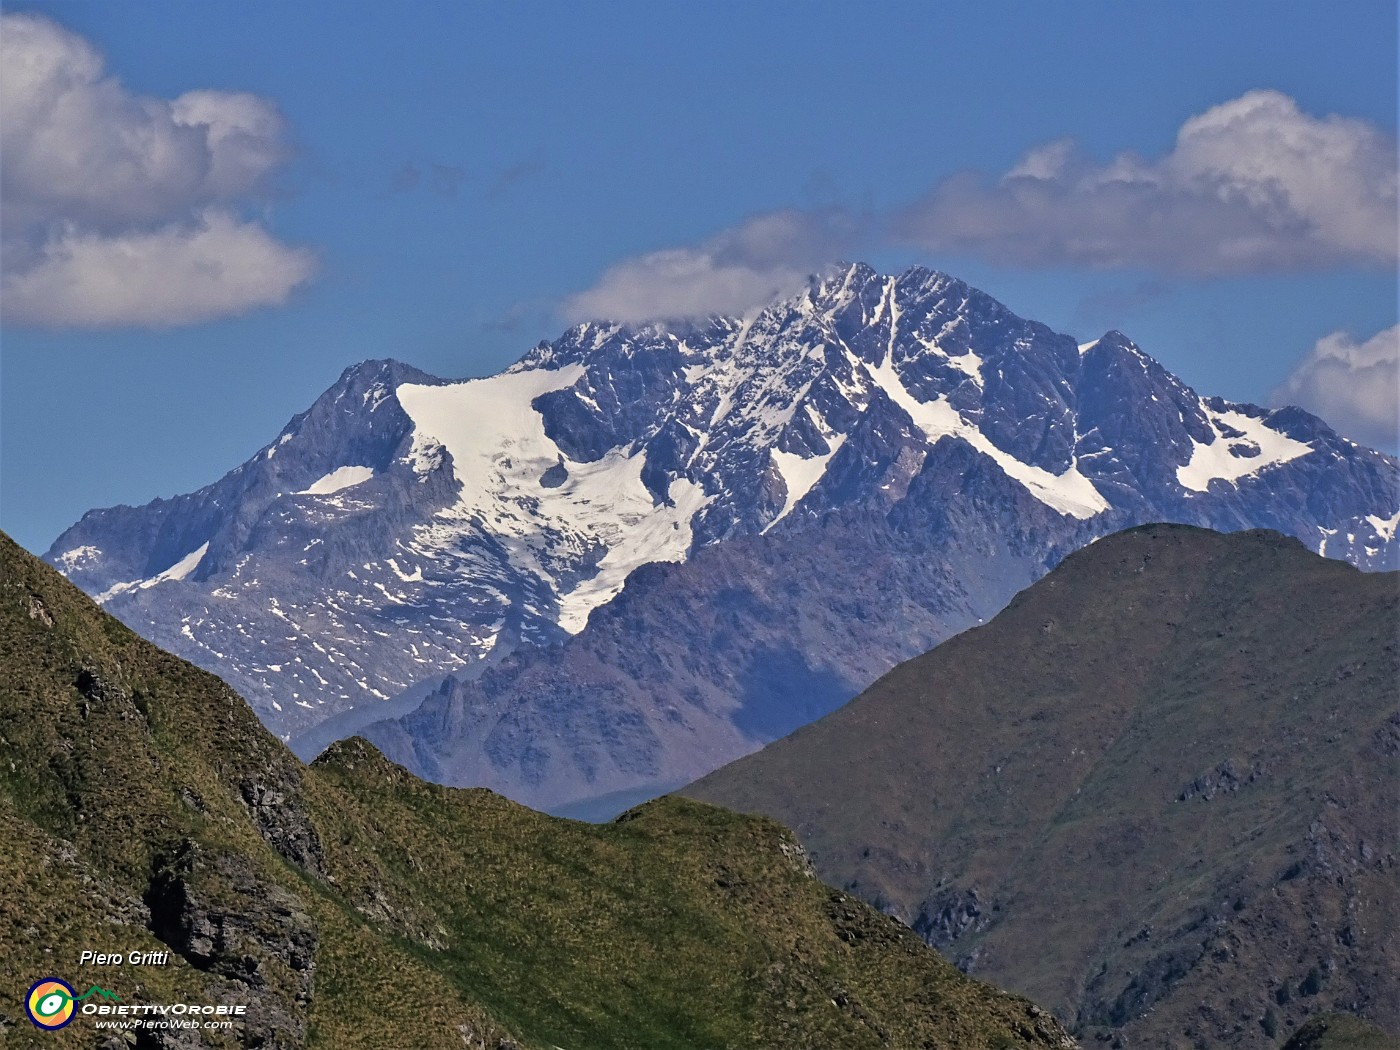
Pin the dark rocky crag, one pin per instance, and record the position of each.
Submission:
(1157, 793)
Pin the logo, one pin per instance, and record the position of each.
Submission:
(51, 1003)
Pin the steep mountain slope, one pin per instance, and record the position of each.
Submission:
(406, 527)
(143, 808)
(1157, 792)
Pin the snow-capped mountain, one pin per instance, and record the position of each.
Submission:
(406, 527)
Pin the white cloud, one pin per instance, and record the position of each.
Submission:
(120, 208)
(1251, 185)
(1354, 386)
(181, 274)
(732, 272)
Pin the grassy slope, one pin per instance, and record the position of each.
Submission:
(1340, 1032)
(352, 905)
(114, 756)
(1042, 761)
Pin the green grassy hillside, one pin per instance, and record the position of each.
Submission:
(1340, 1032)
(347, 904)
(1157, 793)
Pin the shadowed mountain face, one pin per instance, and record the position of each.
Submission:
(1157, 792)
(348, 904)
(405, 528)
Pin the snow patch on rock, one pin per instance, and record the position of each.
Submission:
(1244, 445)
(338, 479)
(178, 571)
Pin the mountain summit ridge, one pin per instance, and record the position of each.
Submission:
(407, 526)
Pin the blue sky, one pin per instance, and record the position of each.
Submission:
(449, 183)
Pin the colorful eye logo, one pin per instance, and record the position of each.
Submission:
(50, 1003)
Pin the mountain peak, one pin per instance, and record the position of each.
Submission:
(488, 512)
(385, 370)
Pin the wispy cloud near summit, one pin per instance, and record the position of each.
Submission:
(1353, 385)
(752, 263)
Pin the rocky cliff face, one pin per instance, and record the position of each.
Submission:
(405, 527)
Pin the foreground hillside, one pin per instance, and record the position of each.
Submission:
(1157, 793)
(143, 808)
